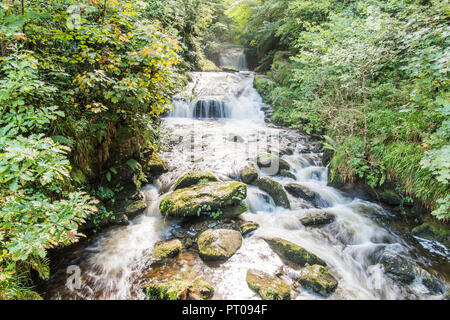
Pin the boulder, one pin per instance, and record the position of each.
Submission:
(248, 227)
(293, 252)
(218, 244)
(433, 231)
(154, 164)
(269, 162)
(398, 268)
(317, 220)
(288, 174)
(275, 190)
(267, 286)
(194, 177)
(208, 197)
(167, 249)
(300, 191)
(249, 174)
(318, 279)
(229, 69)
(179, 290)
(390, 197)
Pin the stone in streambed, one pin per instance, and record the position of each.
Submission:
(300, 191)
(267, 286)
(317, 220)
(193, 178)
(249, 174)
(318, 279)
(398, 268)
(179, 290)
(293, 252)
(275, 190)
(218, 244)
(167, 249)
(271, 162)
(288, 174)
(248, 227)
(154, 165)
(204, 197)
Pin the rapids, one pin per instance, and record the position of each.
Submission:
(220, 131)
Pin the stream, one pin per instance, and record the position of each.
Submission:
(220, 132)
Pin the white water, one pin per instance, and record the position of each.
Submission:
(351, 245)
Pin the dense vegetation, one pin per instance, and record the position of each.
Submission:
(81, 86)
(370, 76)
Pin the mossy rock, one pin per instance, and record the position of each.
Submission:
(288, 174)
(233, 212)
(317, 279)
(167, 249)
(248, 227)
(205, 197)
(249, 174)
(390, 197)
(272, 164)
(431, 231)
(229, 69)
(293, 252)
(318, 220)
(267, 286)
(194, 177)
(275, 190)
(300, 191)
(218, 244)
(398, 268)
(179, 290)
(154, 165)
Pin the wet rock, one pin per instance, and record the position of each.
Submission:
(300, 191)
(390, 197)
(269, 162)
(275, 190)
(267, 286)
(434, 232)
(249, 174)
(318, 279)
(433, 285)
(167, 249)
(293, 252)
(286, 173)
(287, 151)
(154, 165)
(248, 227)
(229, 69)
(208, 197)
(232, 212)
(218, 244)
(398, 268)
(235, 138)
(194, 177)
(317, 220)
(179, 290)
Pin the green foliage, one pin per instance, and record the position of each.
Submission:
(373, 77)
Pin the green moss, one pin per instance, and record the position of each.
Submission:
(267, 286)
(218, 244)
(179, 290)
(248, 227)
(194, 177)
(293, 252)
(275, 190)
(433, 231)
(167, 249)
(249, 174)
(318, 279)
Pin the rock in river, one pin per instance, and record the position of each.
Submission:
(208, 197)
(218, 244)
(249, 174)
(275, 190)
(194, 177)
(167, 249)
(318, 279)
(293, 252)
(317, 220)
(179, 290)
(248, 227)
(272, 164)
(300, 191)
(267, 286)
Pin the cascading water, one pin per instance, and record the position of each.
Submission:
(235, 58)
(220, 131)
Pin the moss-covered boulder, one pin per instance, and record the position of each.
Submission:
(208, 197)
(317, 278)
(272, 164)
(300, 191)
(390, 197)
(248, 227)
(317, 220)
(153, 164)
(229, 69)
(218, 244)
(293, 252)
(231, 212)
(287, 174)
(167, 249)
(275, 190)
(179, 290)
(194, 177)
(433, 231)
(267, 286)
(249, 174)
